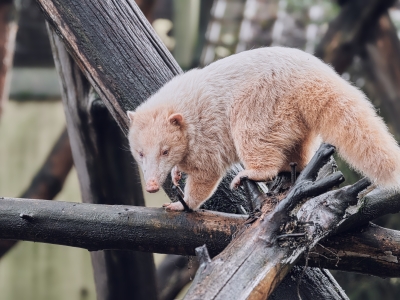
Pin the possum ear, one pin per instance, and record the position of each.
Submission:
(130, 114)
(176, 119)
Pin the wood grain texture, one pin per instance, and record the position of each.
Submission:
(257, 261)
(107, 174)
(116, 48)
(371, 250)
(98, 227)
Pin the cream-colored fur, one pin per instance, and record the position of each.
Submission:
(265, 108)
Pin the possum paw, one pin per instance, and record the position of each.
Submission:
(252, 174)
(176, 175)
(236, 182)
(174, 206)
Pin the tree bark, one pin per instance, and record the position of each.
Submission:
(256, 262)
(106, 175)
(371, 250)
(93, 33)
(98, 227)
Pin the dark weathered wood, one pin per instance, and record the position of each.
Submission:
(107, 174)
(98, 227)
(370, 250)
(347, 33)
(257, 260)
(8, 31)
(116, 48)
(310, 284)
(48, 181)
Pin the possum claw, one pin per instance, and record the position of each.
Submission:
(174, 206)
(176, 175)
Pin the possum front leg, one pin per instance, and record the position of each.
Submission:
(197, 190)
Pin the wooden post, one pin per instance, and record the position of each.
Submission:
(107, 175)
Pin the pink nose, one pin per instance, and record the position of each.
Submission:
(152, 186)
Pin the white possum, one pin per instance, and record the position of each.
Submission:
(264, 108)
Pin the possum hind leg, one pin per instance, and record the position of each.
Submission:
(264, 147)
(261, 164)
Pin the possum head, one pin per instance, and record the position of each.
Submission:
(158, 142)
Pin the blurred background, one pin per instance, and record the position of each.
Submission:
(197, 32)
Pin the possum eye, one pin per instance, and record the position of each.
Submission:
(141, 154)
(165, 152)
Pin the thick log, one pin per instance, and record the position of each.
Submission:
(99, 227)
(91, 30)
(8, 31)
(347, 33)
(107, 174)
(48, 181)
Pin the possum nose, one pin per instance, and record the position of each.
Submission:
(152, 186)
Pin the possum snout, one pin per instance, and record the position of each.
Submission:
(152, 186)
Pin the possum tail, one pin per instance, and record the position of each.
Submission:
(350, 123)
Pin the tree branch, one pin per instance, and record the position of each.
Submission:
(371, 250)
(96, 227)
